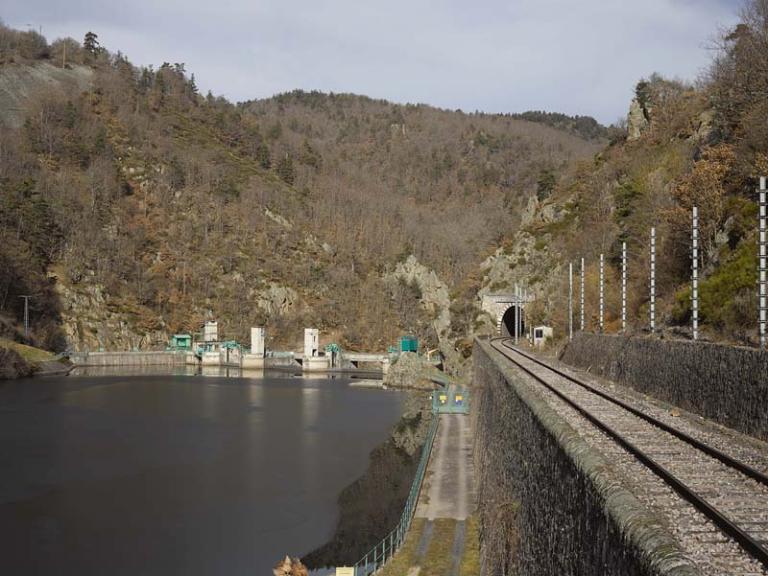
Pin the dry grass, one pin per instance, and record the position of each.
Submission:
(406, 556)
(438, 560)
(29, 353)
(470, 560)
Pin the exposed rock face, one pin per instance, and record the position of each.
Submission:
(530, 211)
(435, 297)
(277, 218)
(89, 323)
(410, 433)
(18, 82)
(276, 299)
(528, 260)
(705, 126)
(410, 371)
(637, 120)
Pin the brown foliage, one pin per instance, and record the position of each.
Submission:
(164, 198)
(290, 567)
(705, 186)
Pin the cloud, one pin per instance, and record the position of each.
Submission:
(578, 57)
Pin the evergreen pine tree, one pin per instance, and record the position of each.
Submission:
(285, 169)
(91, 43)
(262, 155)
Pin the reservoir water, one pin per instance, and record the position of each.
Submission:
(177, 474)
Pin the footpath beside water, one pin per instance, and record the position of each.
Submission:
(444, 536)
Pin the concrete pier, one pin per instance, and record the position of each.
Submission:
(316, 364)
(254, 360)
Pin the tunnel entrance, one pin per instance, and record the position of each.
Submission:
(508, 321)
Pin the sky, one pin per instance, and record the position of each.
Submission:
(572, 56)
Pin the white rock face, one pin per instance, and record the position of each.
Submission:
(636, 120)
(530, 211)
(275, 217)
(276, 299)
(435, 294)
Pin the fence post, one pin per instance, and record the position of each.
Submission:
(763, 266)
(695, 273)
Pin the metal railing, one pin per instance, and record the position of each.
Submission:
(385, 549)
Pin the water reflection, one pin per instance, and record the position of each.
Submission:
(141, 473)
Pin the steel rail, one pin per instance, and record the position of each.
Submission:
(724, 458)
(754, 548)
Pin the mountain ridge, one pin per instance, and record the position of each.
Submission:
(164, 207)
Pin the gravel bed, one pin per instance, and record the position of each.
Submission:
(740, 498)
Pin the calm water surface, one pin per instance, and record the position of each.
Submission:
(161, 474)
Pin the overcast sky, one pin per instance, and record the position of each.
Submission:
(572, 56)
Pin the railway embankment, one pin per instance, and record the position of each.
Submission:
(726, 384)
(549, 502)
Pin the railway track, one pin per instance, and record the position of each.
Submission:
(716, 505)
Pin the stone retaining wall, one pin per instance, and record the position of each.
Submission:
(726, 384)
(549, 503)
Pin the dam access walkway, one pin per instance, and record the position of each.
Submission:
(443, 539)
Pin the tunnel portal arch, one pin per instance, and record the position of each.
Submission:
(507, 324)
(503, 308)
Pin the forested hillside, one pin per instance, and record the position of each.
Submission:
(131, 206)
(703, 145)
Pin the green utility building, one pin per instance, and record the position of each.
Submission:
(181, 342)
(409, 344)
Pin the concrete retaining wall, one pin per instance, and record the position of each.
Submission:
(722, 383)
(549, 503)
(143, 358)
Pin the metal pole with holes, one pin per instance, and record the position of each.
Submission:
(695, 274)
(602, 292)
(517, 310)
(581, 294)
(652, 308)
(522, 312)
(519, 315)
(26, 315)
(570, 300)
(763, 267)
(623, 286)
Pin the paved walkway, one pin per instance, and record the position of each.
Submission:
(444, 537)
(449, 484)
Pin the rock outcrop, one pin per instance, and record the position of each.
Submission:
(91, 323)
(435, 298)
(637, 120)
(410, 371)
(275, 299)
(18, 82)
